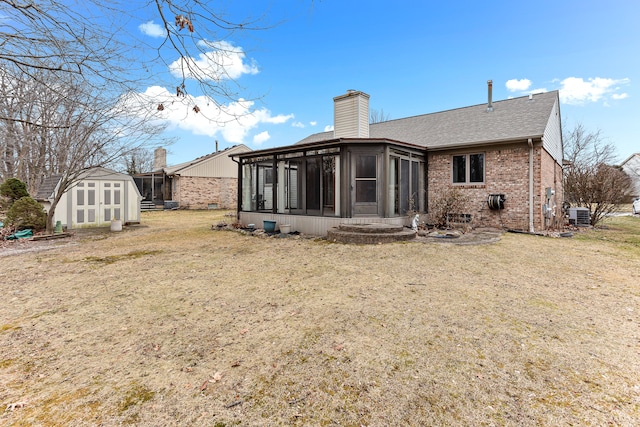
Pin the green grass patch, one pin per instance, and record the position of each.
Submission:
(623, 232)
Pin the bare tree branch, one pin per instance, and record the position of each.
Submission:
(590, 179)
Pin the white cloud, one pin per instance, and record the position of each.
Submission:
(313, 123)
(261, 137)
(151, 29)
(232, 121)
(328, 128)
(219, 61)
(618, 96)
(577, 91)
(298, 125)
(515, 85)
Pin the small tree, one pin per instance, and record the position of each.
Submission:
(13, 189)
(27, 213)
(589, 179)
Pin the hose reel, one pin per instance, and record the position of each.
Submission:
(496, 201)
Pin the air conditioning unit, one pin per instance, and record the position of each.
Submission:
(579, 216)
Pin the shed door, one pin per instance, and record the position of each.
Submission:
(97, 203)
(112, 204)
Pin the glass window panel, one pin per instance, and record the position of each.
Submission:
(81, 184)
(91, 184)
(313, 183)
(92, 215)
(116, 197)
(415, 186)
(80, 197)
(107, 184)
(404, 186)
(91, 197)
(328, 184)
(268, 175)
(80, 216)
(107, 197)
(366, 191)
(116, 184)
(107, 214)
(116, 213)
(366, 167)
(247, 200)
(294, 187)
(476, 168)
(394, 194)
(459, 169)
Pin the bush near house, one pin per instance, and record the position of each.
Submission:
(448, 206)
(13, 189)
(27, 213)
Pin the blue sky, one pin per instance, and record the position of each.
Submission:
(416, 57)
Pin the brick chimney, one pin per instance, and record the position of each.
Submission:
(351, 115)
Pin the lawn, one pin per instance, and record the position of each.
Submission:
(171, 323)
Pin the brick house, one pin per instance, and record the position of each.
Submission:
(208, 182)
(505, 157)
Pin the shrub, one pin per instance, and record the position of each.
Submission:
(448, 206)
(13, 189)
(27, 213)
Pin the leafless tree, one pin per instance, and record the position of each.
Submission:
(70, 72)
(590, 179)
(90, 39)
(137, 161)
(65, 129)
(377, 116)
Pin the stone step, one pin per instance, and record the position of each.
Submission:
(369, 233)
(376, 228)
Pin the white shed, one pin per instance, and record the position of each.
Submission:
(97, 198)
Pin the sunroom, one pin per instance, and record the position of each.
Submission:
(315, 186)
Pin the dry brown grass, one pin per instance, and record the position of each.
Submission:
(171, 323)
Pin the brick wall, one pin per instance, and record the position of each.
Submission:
(550, 176)
(506, 172)
(199, 192)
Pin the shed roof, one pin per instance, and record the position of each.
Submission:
(45, 192)
(511, 119)
(48, 187)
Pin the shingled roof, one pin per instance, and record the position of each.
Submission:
(511, 119)
(47, 188)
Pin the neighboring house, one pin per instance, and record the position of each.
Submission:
(208, 182)
(505, 157)
(99, 196)
(631, 167)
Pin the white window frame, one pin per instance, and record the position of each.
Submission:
(467, 166)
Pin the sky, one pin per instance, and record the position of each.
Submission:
(412, 58)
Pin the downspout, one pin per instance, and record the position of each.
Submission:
(530, 143)
(239, 189)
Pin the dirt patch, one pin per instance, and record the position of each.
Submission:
(175, 324)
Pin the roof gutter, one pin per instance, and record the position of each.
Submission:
(467, 145)
(330, 143)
